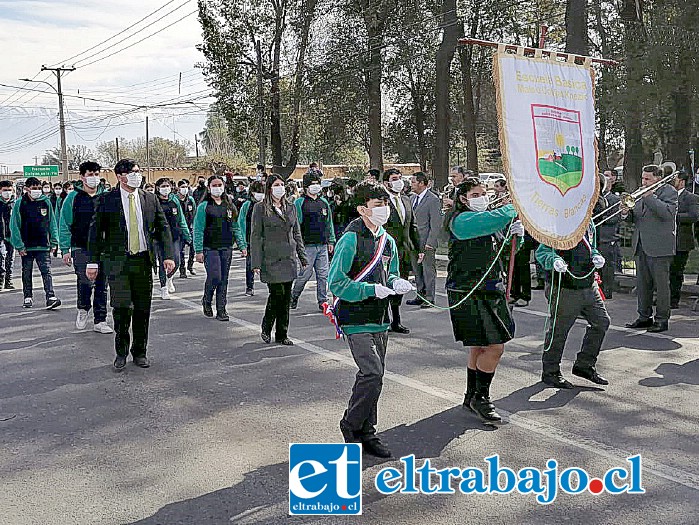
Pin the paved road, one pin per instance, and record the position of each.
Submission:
(202, 436)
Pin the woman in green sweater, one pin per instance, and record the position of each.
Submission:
(215, 232)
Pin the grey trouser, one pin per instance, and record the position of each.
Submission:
(587, 303)
(426, 275)
(369, 352)
(653, 273)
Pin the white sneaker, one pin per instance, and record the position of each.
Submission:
(103, 328)
(81, 321)
(170, 285)
(164, 294)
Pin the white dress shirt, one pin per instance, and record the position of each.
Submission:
(418, 198)
(143, 246)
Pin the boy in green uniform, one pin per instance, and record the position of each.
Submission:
(363, 274)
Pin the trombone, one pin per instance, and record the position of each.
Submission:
(628, 200)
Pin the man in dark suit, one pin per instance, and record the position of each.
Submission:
(402, 227)
(126, 222)
(608, 233)
(687, 215)
(427, 210)
(654, 245)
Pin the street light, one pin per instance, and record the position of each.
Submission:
(61, 120)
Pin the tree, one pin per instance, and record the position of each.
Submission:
(164, 153)
(77, 154)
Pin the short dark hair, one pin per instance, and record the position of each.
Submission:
(256, 187)
(183, 182)
(374, 173)
(124, 166)
(161, 181)
(260, 167)
(368, 190)
(351, 183)
(391, 171)
(652, 168)
(33, 181)
(5, 184)
(422, 178)
(500, 182)
(148, 185)
(458, 169)
(89, 166)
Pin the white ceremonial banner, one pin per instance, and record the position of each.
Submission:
(546, 117)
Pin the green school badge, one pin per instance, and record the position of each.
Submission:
(44, 211)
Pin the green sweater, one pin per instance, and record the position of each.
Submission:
(184, 227)
(16, 228)
(243, 222)
(342, 286)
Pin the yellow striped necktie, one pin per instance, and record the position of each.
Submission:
(134, 242)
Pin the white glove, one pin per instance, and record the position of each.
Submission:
(402, 286)
(598, 261)
(560, 265)
(382, 291)
(517, 228)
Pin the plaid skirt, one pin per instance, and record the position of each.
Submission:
(481, 320)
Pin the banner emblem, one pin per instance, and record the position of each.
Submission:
(559, 146)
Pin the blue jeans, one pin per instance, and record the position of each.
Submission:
(317, 255)
(160, 250)
(218, 266)
(85, 287)
(249, 274)
(43, 261)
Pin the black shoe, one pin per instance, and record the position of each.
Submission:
(674, 306)
(374, 447)
(266, 337)
(640, 323)
(467, 400)
(286, 342)
(556, 380)
(399, 329)
(192, 271)
(208, 311)
(590, 374)
(483, 407)
(348, 435)
(539, 286)
(222, 316)
(320, 307)
(658, 327)
(294, 304)
(52, 303)
(415, 302)
(426, 305)
(250, 292)
(9, 285)
(183, 275)
(119, 363)
(141, 362)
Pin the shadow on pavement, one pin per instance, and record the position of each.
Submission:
(520, 400)
(673, 374)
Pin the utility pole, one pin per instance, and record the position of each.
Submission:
(147, 152)
(61, 119)
(117, 149)
(196, 144)
(260, 107)
(36, 161)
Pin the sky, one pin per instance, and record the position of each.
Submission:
(53, 32)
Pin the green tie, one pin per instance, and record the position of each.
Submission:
(398, 208)
(134, 242)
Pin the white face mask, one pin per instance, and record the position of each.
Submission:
(314, 189)
(35, 194)
(134, 180)
(7, 195)
(379, 215)
(479, 203)
(91, 181)
(217, 191)
(280, 191)
(397, 185)
(165, 190)
(184, 190)
(47, 189)
(258, 196)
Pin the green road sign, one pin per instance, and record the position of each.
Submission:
(41, 172)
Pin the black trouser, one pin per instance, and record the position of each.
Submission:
(404, 266)
(131, 293)
(522, 275)
(677, 266)
(6, 262)
(606, 273)
(653, 273)
(85, 287)
(218, 266)
(43, 261)
(160, 250)
(277, 310)
(190, 260)
(249, 274)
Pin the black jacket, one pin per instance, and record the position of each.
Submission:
(687, 215)
(108, 236)
(404, 233)
(5, 212)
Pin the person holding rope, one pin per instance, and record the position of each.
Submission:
(480, 316)
(572, 291)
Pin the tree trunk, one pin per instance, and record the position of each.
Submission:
(418, 100)
(633, 151)
(275, 110)
(679, 140)
(576, 27)
(373, 73)
(470, 114)
(445, 54)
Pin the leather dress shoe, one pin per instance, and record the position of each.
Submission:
(399, 329)
(119, 363)
(208, 311)
(640, 323)
(374, 447)
(286, 342)
(658, 327)
(590, 374)
(142, 362)
(484, 408)
(222, 316)
(556, 380)
(414, 302)
(467, 400)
